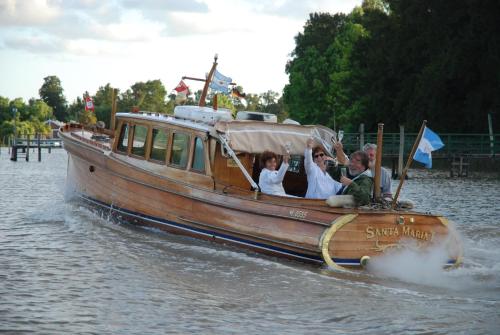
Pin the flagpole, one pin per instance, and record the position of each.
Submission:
(207, 82)
(408, 163)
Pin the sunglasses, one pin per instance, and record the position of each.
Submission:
(319, 155)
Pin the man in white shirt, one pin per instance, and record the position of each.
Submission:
(385, 175)
(320, 185)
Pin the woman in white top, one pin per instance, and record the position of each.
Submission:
(319, 183)
(270, 180)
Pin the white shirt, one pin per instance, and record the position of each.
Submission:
(270, 182)
(319, 184)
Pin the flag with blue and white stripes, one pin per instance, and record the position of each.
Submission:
(429, 142)
(220, 82)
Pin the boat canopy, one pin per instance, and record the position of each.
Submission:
(257, 137)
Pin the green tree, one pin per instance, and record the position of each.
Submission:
(126, 101)
(150, 96)
(87, 118)
(223, 101)
(52, 93)
(75, 109)
(170, 106)
(39, 110)
(6, 129)
(310, 68)
(399, 62)
(103, 103)
(5, 112)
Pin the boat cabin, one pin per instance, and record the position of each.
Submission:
(220, 153)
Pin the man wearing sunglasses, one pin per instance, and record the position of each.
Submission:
(320, 185)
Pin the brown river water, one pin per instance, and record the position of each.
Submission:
(64, 269)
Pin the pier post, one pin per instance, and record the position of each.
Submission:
(39, 149)
(13, 153)
(361, 136)
(28, 149)
(492, 141)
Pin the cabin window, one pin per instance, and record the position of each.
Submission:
(180, 148)
(139, 140)
(199, 155)
(123, 139)
(159, 145)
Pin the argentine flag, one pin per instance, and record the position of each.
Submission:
(429, 142)
(220, 82)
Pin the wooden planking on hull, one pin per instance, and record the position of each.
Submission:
(357, 236)
(194, 204)
(276, 232)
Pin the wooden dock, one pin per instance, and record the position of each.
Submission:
(20, 147)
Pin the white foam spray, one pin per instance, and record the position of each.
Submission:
(414, 266)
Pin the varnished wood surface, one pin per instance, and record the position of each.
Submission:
(374, 235)
(196, 200)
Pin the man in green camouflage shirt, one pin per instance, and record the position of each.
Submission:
(360, 183)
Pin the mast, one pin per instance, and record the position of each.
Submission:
(207, 82)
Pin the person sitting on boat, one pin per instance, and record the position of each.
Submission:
(320, 185)
(371, 150)
(270, 180)
(360, 186)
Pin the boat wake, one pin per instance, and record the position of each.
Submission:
(413, 266)
(480, 273)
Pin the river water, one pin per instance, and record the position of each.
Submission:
(63, 269)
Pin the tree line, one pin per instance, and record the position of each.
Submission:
(29, 118)
(398, 62)
(391, 61)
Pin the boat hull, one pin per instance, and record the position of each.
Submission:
(301, 230)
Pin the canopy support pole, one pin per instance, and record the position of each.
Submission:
(242, 168)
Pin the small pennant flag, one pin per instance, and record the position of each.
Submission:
(429, 142)
(89, 104)
(182, 88)
(237, 94)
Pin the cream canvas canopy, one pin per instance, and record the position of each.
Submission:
(257, 137)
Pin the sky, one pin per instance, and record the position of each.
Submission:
(89, 43)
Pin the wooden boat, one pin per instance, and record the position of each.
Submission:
(194, 174)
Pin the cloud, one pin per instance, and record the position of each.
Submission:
(171, 6)
(27, 13)
(182, 24)
(92, 10)
(158, 10)
(34, 44)
(301, 9)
